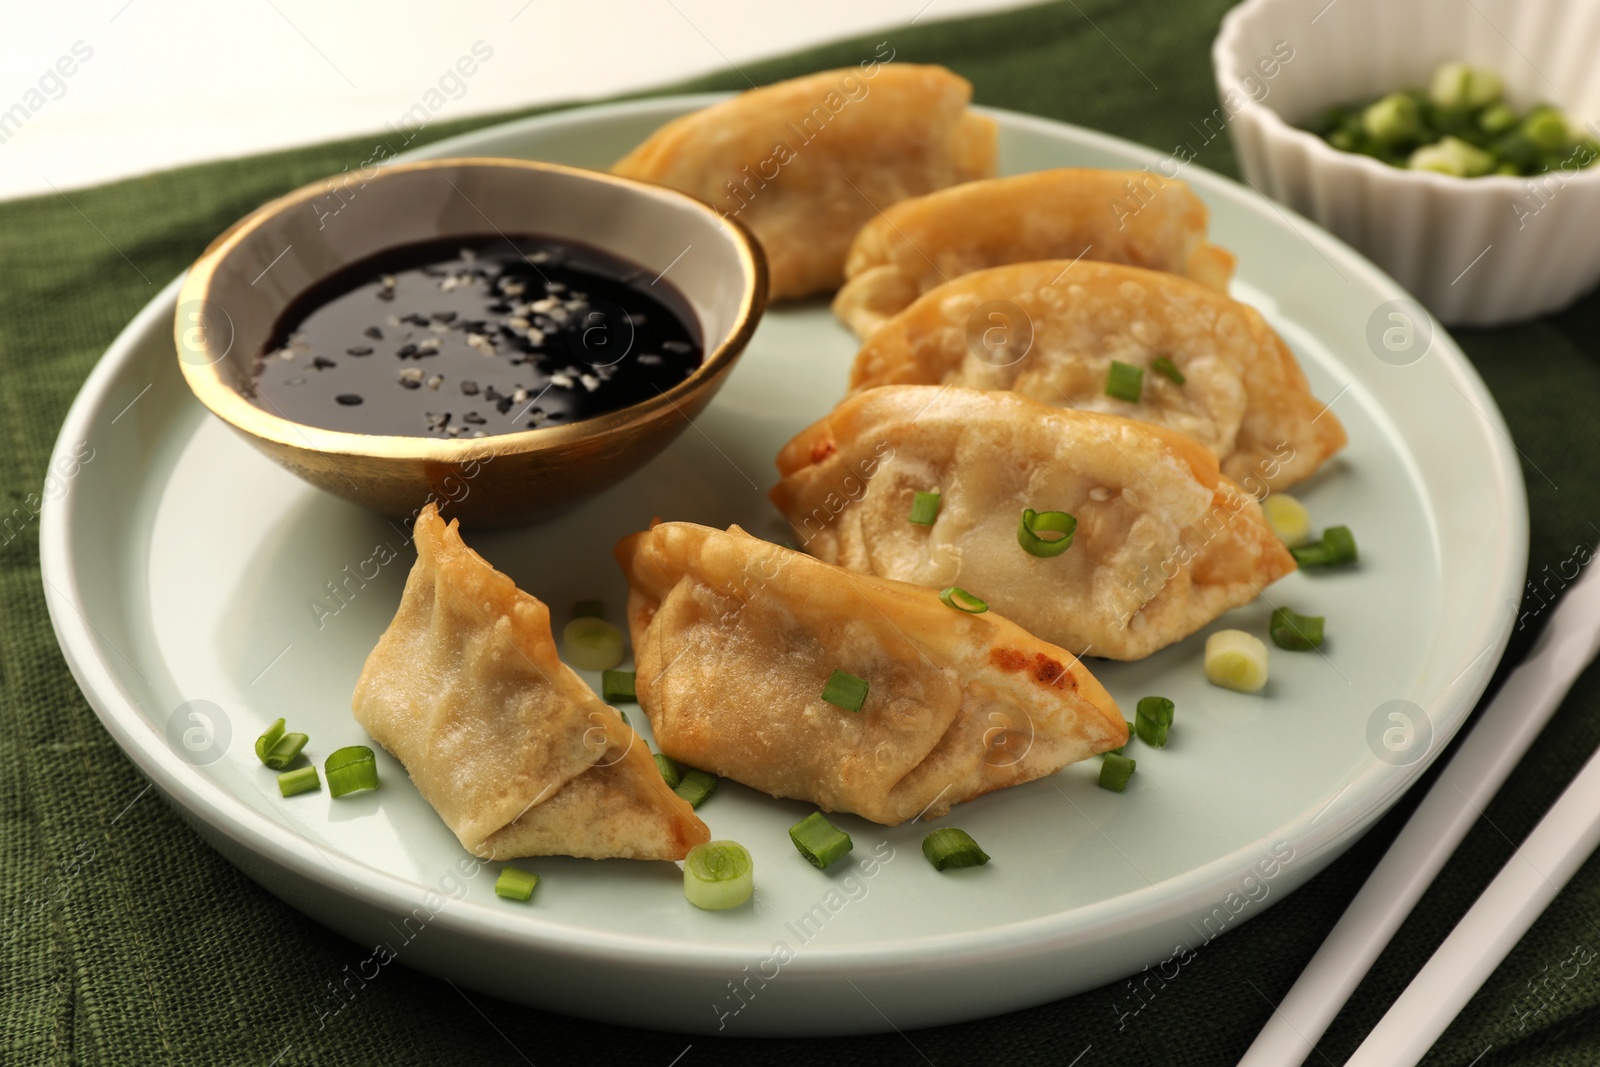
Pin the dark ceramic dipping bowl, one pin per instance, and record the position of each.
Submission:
(236, 292)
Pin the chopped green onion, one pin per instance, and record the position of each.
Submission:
(1297, 633)
(591, 644)
(1337, 545)
(1131, 735)
(1153, 719)
(278, 749)
(845, 691)
(1115, 771)
(819, 841)
(1169, 369)
(718, 875)
(265, 742)
(1453, 156)
(589, 609)
(1515, 148)
(625, 719)
(300, 780)
(669, 769)
(961, 600)
(1341, 542)
(1546, 127)
(1050, 522)
(618, 685)
(1497, 119)
(949, 847)
(1393, 120)
(1456, 85)
(1236, 660)
(695, 786)
(515, 884)
(284, 751)
(925, 508)
(351, 768)
(1460, 125)
(1125, 381)
(1288, 518)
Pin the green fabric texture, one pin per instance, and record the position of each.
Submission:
(127, 940)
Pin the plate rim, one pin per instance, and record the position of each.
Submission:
(202, 800)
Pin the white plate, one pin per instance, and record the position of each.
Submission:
(181, 567)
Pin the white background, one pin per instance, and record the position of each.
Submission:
(179, 81)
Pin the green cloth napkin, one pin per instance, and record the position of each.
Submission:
(128, 941)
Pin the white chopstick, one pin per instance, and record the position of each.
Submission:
(1519, 894)
(1480, 764)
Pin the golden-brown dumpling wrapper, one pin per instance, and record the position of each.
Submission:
(1163, 543)
(512, 749)
(1244, 396)
(735, 639)
(1111, 216)
(805, 162)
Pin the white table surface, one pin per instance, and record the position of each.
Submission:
(168, 82)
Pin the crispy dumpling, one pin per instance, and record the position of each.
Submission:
(805, 162)
(516, 754)
(1051, 330)
(1163, 544)
(1111, 216)
(735, 639)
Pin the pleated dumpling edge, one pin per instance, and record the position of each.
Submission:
(736, 639)
(514, 751)
(1164, 543)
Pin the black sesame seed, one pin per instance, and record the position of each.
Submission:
(410, 383)
(444, 316)
(406, 351)
(323, 363)
(349, 400)
(374, 333)
(474, 418)
(358, 350)
(469, 388)
(385, 294)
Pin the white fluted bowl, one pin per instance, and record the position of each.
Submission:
(1476, 251)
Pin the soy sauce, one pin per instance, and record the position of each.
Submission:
(477, 336)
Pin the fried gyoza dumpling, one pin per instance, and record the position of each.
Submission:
(1051, 330)
(1163, 544)
(1113, 216)
(512, 749)
(805, 162)
(736, 639)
